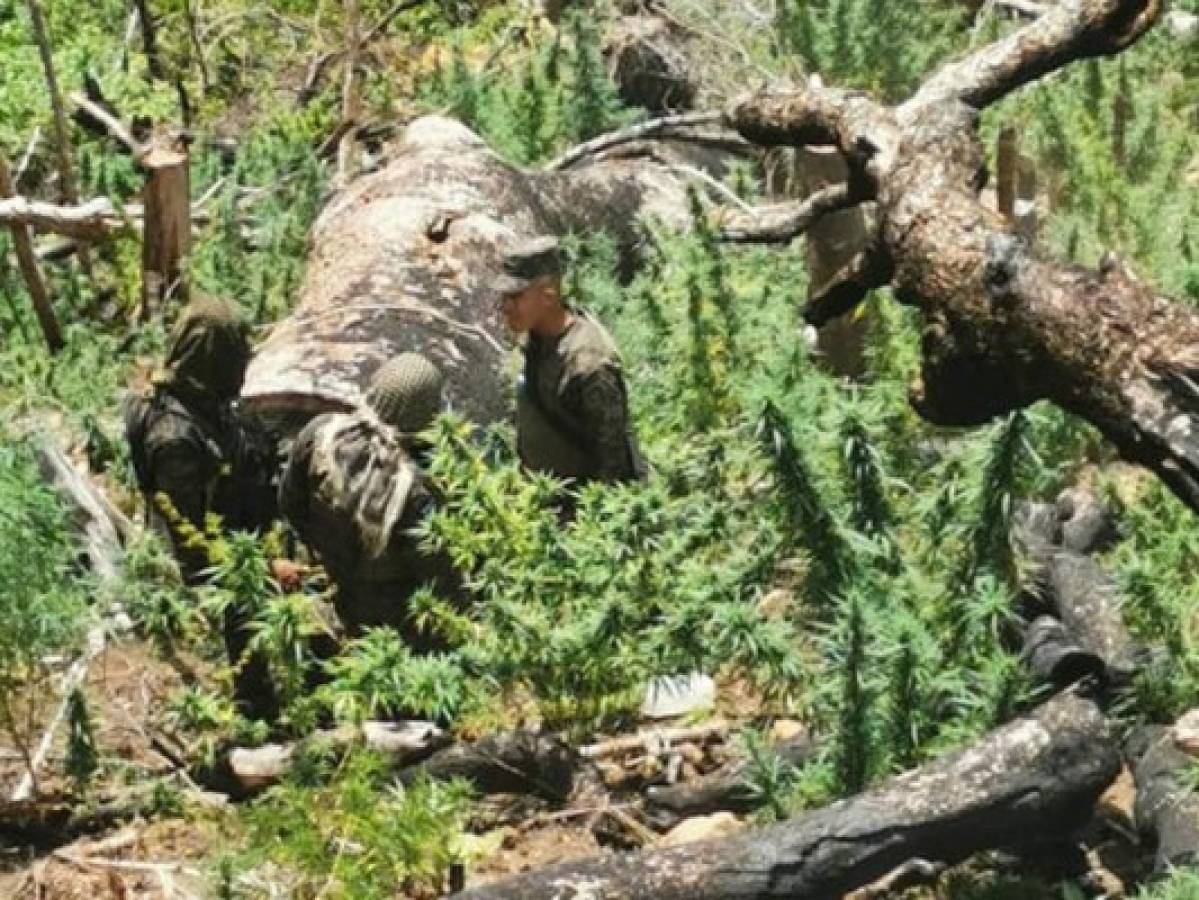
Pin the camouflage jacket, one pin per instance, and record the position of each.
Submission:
(572, 407)
(354, 492)
(204, 460)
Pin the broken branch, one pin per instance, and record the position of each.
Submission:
(783, 222)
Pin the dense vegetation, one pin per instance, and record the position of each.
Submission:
(808, 539)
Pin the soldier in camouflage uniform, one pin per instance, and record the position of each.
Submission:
(190, 443)
(572, 406)
(354, 488)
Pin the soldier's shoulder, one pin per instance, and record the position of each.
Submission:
(162, 420)
(589, 347)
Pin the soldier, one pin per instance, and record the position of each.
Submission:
(189, 442)
(572, 407)
(353, 490)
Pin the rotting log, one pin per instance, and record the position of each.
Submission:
(1034, 777)
(1167, 807)
(401, 743)
(1055, 658)
(518, 762)
(726, 790)
(403, 259)
(1074, 589)
(1087, 601)
(1002, 322)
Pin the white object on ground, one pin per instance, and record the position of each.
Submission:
(676, 695)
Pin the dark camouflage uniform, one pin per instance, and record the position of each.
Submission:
(353, 490)
(572, 408)
(189, 443)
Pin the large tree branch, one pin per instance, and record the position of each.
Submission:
(88, 221)
(783, 222)
(1004, 326)
(1070, 30)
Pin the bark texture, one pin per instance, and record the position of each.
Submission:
(518, 762)
(1037, 776)
(1167, 807)
(403, 259)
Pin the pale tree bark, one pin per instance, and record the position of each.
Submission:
(404, 259)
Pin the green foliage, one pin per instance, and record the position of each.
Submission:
(769, 778)
(377, 676)
(1180, 884)
(372, 838)
(82, 759)
(42, 596)
(876, 45)
(536, 104)
(854, 740)
(153, 591)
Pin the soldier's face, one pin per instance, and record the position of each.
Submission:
(525, 310)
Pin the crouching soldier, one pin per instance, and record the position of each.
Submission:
(354, 489)
(190, 443)
(572, 405)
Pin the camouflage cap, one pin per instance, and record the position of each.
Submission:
(406, 392)
(527, 261)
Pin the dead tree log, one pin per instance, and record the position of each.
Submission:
(1035, 777)
(403, 259)
(518, 762)
(1002, 323)
(1167, 807)
(1087, 601)
(1093, 637)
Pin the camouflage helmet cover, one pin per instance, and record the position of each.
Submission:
(527, 261)
(406, 392)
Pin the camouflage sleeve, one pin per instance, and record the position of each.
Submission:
(293, 486)
(183, 474)
(604, 409)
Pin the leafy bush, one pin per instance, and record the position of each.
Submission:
(42, 595)
(374, 836)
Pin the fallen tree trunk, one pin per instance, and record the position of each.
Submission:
(1033, 778)
(1091, 637)
(1167, 806)
(1087, 601)
(404, 258)
(518, 762)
